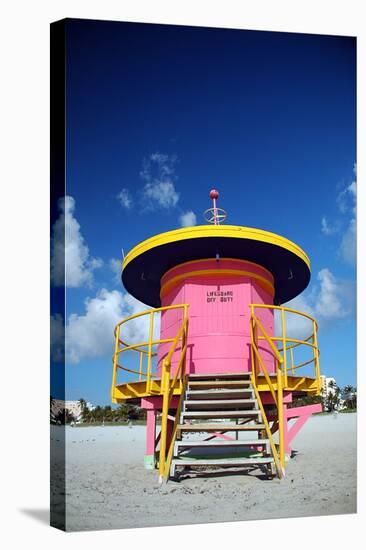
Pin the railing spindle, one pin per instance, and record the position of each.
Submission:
(149, 357)
(280, 415)
(283, 323)
(115, 361)
(316, 355)
(140, 365)
(164, 420)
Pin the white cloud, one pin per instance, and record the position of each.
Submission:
(347, 202)
(187, 219)
(70, 261)
(348, 243)
(352, 190)
(346, 199)
(331, 300)
(162, 193)
(91, 334)
(297, 326)
(125, 199)
(159, 174)
(328, 228)
(116, 268)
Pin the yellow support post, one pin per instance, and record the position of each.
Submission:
(115, 361)
(253, 337)
(151, 329)
(316, 356)
(283, 323)
(169, 455)
(184, 347)
(140, 366)
(253, 358)
(268, 430)
(280, 417)
(164, 420)
(292, 362)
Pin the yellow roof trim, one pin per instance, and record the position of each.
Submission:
(229, 231)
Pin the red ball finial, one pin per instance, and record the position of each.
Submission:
(214, 194)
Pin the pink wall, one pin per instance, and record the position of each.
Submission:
(219, 313)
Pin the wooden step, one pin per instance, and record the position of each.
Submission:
(219, 393)
(197, 404)
(223, 462)
(220, 427)
(220, 376)
(222, 414)
(232, 461)
(224, 443)
(219, 384)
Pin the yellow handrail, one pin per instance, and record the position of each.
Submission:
(289, 343)
(268, 430)
(265, 335)
(174, 433)
(293, 367)
(144, 349)
(264, 370)
(134, 347)
(283, 325)
(167, 390)
(180, 403)
(278, 399)
(167, 385)
(280, 355)
(146, 312)
(270, 306)
(296, 340)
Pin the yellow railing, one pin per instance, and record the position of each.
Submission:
(279, 382)
(257, 361)
(144, 350)
(168, 384)
(167, 381)
(278, 464)
(279, 347)
(285, 345)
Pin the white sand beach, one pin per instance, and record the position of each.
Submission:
(107, 486)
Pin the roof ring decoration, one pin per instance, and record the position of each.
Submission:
(215, 215)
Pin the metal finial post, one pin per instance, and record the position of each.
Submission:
(214, 195)
(215, 214)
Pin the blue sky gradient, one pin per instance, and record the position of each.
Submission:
(267, 118)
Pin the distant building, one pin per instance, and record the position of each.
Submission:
(328, 385)
(73, 407)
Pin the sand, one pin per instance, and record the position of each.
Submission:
(107, 486)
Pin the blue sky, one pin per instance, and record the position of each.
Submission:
(157, 116)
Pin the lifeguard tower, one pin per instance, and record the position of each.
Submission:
(223, 359)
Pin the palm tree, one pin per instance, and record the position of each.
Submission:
(82, 403)
(98, 413)
(52, 415)
(64, 416)
(349, 395)
(83, 407)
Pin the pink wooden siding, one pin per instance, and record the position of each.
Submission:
(219, 313)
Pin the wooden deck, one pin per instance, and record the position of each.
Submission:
(136, 390)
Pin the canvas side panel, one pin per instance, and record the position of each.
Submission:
(57, 230)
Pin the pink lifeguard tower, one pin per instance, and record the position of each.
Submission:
(220, 357)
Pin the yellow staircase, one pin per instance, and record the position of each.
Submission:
(144, 382)
(214, 406)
